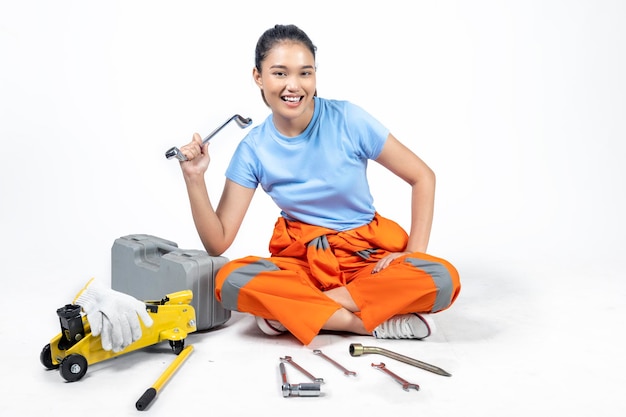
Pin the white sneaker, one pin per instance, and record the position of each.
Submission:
(405, 326)
(270, 327)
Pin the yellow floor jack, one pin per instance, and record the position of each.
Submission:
(72, 350)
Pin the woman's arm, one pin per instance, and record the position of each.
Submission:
(217, 228)
(400, 160)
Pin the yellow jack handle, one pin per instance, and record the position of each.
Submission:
(152, 392)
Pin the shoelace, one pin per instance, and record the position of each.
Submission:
(397, 328)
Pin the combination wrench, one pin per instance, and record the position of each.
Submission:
(345, 371)
(405, 384)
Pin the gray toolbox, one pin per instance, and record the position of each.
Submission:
(148, 267)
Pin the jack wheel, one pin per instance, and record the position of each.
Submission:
(46, 357)
(177, 345)
(73, 367)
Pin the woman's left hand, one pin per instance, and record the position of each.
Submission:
(386, 261)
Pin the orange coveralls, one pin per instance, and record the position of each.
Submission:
(308, 260)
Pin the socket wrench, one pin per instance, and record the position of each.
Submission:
(306, 389)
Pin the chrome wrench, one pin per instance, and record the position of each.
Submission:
(289, 360)
(345, 371)
(241, 121)
(405, 384)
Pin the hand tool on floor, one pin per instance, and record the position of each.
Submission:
(405, 384)
(306, 389)
(345, 371)
(301, 369)
(241, 121)
(152, 392)
(357, 349)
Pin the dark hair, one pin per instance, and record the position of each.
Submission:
(277, 34)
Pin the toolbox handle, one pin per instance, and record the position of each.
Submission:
(164, 248)
(161, 244)
(152, 249)
(151, 253)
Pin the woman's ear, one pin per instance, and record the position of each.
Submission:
(256, 74)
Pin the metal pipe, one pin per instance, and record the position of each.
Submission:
(357, 349)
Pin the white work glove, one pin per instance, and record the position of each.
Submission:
(113, 315)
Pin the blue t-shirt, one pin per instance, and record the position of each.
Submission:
(318, 177)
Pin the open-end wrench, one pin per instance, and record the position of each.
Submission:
(345, 371)
(405, 384)
(301, 369)
(306, 389)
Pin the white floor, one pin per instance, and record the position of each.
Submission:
(521, 340)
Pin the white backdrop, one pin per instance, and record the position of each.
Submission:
(518, 106)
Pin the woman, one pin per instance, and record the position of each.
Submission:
(336, 263)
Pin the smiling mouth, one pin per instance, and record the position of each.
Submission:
(291, 99)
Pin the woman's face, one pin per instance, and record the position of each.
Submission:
(287, 79)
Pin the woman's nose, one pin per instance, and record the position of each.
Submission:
(293, 83)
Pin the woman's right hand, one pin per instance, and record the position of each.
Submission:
(197, 157)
